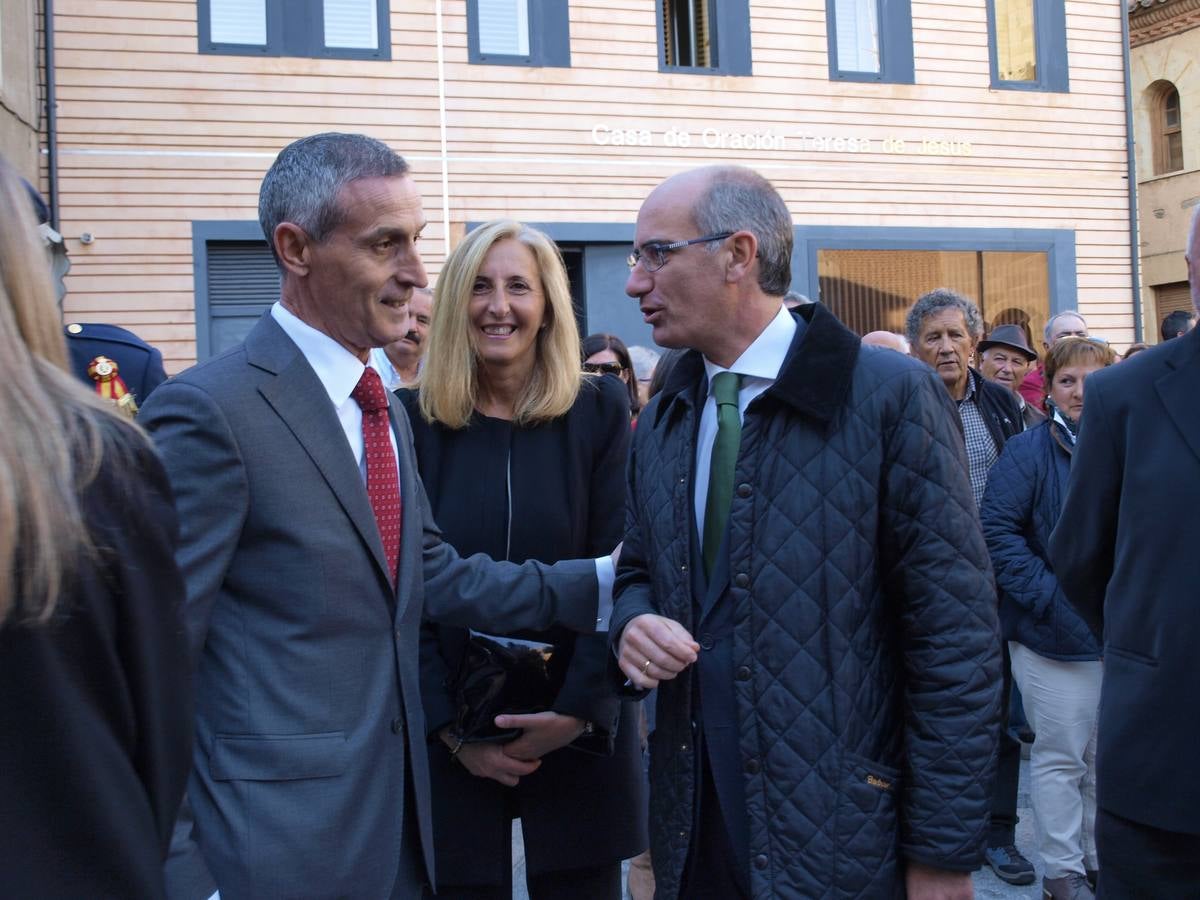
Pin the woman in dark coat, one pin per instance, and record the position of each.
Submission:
(606, 354)
(95, 713)
(522, 457)
(1055, 657)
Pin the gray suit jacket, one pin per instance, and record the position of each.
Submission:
(307, 693)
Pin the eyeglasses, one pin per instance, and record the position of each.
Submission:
(603, 368)
(653, 255)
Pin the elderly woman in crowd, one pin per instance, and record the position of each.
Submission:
(523, 457)
(95, 717)
(1055, 658)
(606, 354)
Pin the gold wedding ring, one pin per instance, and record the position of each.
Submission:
(645, 666)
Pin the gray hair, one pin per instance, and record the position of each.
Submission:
(739, 199)
(303, 184)
(1049, 329)
(935, 301)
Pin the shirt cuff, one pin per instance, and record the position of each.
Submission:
(606, 576)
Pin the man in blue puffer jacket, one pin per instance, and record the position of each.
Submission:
(1055, 656)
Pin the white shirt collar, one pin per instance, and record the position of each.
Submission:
(338, 369)
(765, 355)
(382, 363)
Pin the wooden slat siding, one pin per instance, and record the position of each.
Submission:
(130, 79)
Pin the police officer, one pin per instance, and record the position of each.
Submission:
(114, 361)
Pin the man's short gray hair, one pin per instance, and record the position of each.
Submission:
(739, 199)
(934, 302)
(303, 184)
(1049, 329)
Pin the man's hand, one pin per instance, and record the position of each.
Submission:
(928, 883)
(653, 649)
(488, 760)
(541, 733)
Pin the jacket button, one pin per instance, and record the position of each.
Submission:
(397, 725)
(706, 642)
(760, 861)
(743, 673)
(752, 766)
(741, 579)
(744, 490)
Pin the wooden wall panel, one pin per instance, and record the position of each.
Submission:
(155, 135)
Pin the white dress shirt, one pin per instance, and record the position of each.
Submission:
(382, 363)
(339, 371)
(759, 366)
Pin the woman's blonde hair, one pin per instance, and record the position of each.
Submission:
(450, 377)
(53, 431)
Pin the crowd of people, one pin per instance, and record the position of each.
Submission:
(766, 613)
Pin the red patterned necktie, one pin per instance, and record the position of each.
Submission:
(383, 482)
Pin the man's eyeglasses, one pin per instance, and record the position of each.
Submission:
(653, 255)
(605, 368)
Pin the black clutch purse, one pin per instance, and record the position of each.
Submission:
(499, 675)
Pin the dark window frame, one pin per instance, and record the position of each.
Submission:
(549, 37)
(1049, 48)
(299, 35)
(729, 40)
(895, 44)
(1057, 243)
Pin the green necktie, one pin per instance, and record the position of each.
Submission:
(725, 387)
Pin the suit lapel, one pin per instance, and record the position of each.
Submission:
(412, 525)
(1178, 388)
(300, 400)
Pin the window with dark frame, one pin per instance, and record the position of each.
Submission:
(1027, 40)
(353, 29)
(519, 33)
(1168, 130)
(870, 40)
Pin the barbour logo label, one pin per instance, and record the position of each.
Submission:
(876, 782)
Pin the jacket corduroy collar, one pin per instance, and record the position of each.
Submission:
(815, 376)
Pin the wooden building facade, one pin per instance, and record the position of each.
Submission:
(979, 144)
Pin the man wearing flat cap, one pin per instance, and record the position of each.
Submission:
(1005, 359)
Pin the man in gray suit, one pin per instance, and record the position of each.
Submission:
(307, 571)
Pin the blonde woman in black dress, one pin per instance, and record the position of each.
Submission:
(523, 457)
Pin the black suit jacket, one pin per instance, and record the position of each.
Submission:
(95, 710)
(1127, 555)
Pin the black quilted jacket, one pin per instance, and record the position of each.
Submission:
(866, 649)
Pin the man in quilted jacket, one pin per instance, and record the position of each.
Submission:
(799, 513)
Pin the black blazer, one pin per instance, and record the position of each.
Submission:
(96, 706)
(1001, 412)
(568, 501)
(1127, 554)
